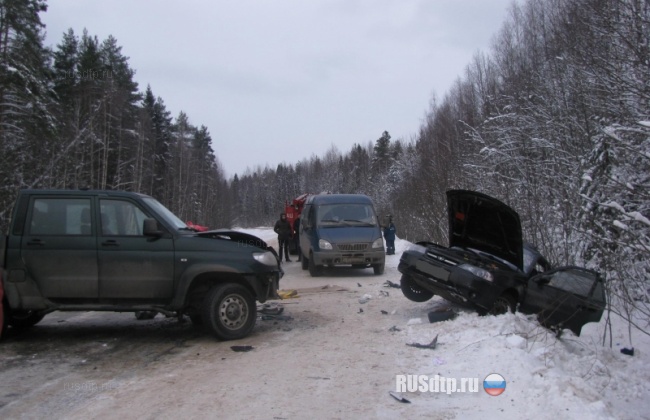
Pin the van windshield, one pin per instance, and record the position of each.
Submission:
(342, 215)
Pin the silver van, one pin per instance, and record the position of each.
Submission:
(340, 229)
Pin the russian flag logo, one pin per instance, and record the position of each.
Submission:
(494, 384)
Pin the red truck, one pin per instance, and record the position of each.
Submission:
(294, 208)
(293, 211)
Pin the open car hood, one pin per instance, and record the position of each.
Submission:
(236, 236)
(484, 223)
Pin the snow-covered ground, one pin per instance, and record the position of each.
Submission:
(546, 377)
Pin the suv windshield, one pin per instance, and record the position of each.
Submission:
(169, 217)
(340, 215)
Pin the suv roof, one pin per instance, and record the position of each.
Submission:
(108, 193)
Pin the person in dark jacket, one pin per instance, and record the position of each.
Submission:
(283, 229)
(389, 236)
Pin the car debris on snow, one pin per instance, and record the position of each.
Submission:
(398, 397)
(276, 318)
(438, 316)
(241, 348)
(271, 309)
(365, 298)
(629, 352)
(288, 294)
(432, 345)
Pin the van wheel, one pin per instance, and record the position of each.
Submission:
(412, 291)
(229, 311)
(378, 269)
(304, 262)
(314, 270)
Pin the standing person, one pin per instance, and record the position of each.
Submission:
(283, 229)
(389, 236)
(296, 237)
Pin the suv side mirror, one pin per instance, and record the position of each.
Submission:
(150, 228)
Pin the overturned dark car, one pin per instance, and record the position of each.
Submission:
(489, 267)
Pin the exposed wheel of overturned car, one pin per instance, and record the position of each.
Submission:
(507, 302)
(229, 311)
(412, 291)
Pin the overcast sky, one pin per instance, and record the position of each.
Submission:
(281, 80)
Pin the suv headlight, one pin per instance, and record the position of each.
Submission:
(266, 258)
(323, 244)
(379, 243)
(478, 272)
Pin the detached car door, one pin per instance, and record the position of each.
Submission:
(132, 266)
(567, 297)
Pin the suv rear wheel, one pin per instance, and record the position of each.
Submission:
(229, 311)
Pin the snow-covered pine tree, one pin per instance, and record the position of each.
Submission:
(25, 95)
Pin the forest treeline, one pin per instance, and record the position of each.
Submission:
(73, 117)
(554, 120)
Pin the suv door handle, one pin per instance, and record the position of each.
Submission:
(35, 242)
(110, 242)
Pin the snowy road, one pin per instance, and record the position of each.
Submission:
(329, 356)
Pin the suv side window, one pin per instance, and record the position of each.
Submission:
(60, 216)
(121, 218)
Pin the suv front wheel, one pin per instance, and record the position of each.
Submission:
(229, 311)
